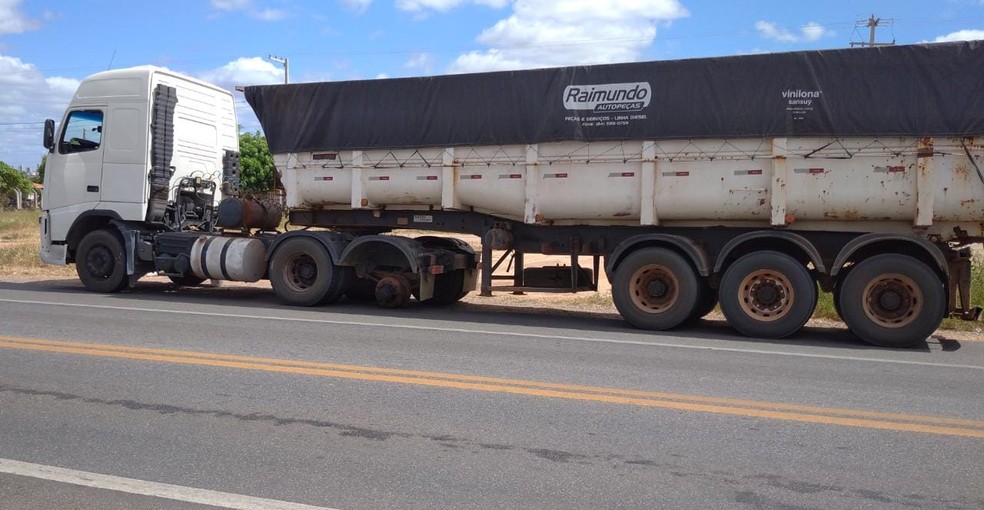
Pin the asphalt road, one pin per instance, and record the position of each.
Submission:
(157, 398)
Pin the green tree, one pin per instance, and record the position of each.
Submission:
(11, 179)
(256, 168)
(39, 178)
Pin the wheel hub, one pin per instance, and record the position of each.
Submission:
(99, 262)
(766, 295)
(302, 272)
(654, 289)
(657, 288)
(892, 300)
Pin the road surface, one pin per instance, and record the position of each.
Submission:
(158, 398)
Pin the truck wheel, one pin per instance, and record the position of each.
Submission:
(706, 302)
(188, 280)
(654, 288)
(302, 273)
(767, 294)
(892, 300)
(448, 288)
(393, 291)
(100, 261)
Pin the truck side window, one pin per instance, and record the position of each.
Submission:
(83, 132)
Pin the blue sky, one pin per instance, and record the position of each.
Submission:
(47, 47)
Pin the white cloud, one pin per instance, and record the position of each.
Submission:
(27, 97)
(230, 5)
(427, 5)
(961, 35)
(422, 7)
(421, 62)
(809, 32)
(248, 7)
(544, 33)
(244, 71)
(358, 6)
(269, 14)
(12, 20)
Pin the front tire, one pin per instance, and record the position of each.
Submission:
(892, 300)
(303, 274)
(655, 288)
(100, 261)
(767, 294)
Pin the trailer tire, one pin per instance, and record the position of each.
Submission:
(303, 274)
(706, 302)
(767, 294)
(100, 261)
(892, 300)
(655, 288)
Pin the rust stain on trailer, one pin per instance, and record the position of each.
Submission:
(961, 172)
(847, 214)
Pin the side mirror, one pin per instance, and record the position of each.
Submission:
(49, 134)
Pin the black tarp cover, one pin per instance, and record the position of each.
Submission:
(917, 90)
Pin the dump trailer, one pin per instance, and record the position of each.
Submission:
(752, 182)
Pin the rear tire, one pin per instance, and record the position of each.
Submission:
(892, 300)
(655, 288)
(448, 288)
(706, 302)
(767, 294)
(100, 261)
(303, 274)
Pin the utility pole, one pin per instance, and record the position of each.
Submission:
(872, 25)
(284, 61)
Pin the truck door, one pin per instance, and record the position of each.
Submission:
(73, 173)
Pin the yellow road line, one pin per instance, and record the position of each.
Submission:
(716, 405)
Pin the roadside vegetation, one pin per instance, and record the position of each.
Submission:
(19, 245)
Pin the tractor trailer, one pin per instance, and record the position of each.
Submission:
(750, 182)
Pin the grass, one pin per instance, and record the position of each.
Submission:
(19, 245)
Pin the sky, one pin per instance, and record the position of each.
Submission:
(48, 47)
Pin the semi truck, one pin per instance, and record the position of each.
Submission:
(749, 182)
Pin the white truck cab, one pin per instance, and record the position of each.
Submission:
(142, 145)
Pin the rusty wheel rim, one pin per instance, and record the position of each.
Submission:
(766, 295)
(654, 289)
(300, 273)
(892, 300)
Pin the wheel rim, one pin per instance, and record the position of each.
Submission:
(892, 300)
(766, 295)
(300, 273)
(100, 263)
(654, 289)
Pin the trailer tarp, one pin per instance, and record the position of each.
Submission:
(916, 90)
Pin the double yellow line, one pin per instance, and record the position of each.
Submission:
(726, 406)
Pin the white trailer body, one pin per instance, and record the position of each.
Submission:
(903, 185)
